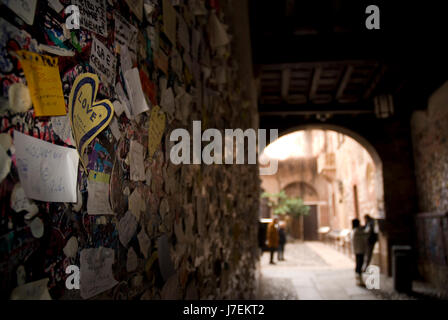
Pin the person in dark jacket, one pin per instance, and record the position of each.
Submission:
(272, 237)
(372, 238)
(281, 242)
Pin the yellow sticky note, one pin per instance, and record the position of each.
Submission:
(44, 83)
(87, 116)
(156, 129)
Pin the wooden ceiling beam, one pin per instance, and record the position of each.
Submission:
(344, 82)
(315, 82)
(286, 80)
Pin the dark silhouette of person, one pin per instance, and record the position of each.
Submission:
(359, 243)
(372, 238)
(272, 236)
(281, 242)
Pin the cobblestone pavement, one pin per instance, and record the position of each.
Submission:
(316, 271)
(312, 271)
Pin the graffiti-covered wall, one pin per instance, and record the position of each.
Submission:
(111, 90)
(430, 139)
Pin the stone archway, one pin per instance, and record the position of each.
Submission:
(296, 184)
(379, 184)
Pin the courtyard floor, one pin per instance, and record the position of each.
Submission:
(312, 271)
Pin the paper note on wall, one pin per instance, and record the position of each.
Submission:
(87, 117)
(125, 103)
(156, 129)
(167, 102)
(136, 161)
(103, 62)
(127, 226)
(44, 83)
(126, 35)
(98, 194)
(5, 163)
(24, 9)
(36, 290)
(61, 126)
(137, 204)
(47, 172)
(96, 271)
(136, 7)
(169, 21)
(92, 14)
(136, 96)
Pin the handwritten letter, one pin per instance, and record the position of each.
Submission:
(93, 15)
(96, 271)
(47, 172)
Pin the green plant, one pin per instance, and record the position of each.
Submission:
(282, 204)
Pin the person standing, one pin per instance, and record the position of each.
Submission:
(273, 238)
(281, 242)
(372, 238)
(358, 237)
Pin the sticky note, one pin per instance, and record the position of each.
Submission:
(156, 129)
(44, 83)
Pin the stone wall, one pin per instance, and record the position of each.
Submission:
(191, 228)
(430, 139)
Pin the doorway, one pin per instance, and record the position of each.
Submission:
(310, 225)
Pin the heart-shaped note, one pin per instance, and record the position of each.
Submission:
(87, 117)
(156, 129)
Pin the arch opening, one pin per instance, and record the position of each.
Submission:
(338, 174)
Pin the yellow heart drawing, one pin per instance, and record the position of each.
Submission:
(156, 129)
(87, 117)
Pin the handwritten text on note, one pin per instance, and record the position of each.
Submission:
(47, 172)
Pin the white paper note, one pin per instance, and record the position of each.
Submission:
(47, 172)
(5, 164)
(24, 9)
(136, 203)
(61, 126)
(92, 15)
(96, 271)
(36, 290)
(113, 125)
(102, 61)
(56, 5)
(126, 104)
(118, 107)
(127, 226)
(136, 161)
(126, 35)
(136, 96)
(98, 200)
(125, 59)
